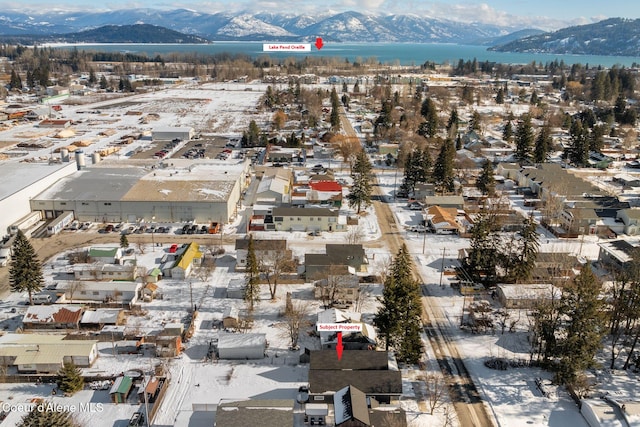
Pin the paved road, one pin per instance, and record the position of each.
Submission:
(470, 408)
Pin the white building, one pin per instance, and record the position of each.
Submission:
(241, 346)
(185, 190)
(171, 133)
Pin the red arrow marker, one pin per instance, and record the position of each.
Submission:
(339, 347)
(319, 43)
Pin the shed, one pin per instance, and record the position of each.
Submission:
(154, 275)
(241, 346)
(168, 346)
(526, 295)
(120, 389)
(230, 317)
(149, 292)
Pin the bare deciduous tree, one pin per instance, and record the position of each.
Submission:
(355, 235)
(295, 316)
(436, 391)
(272, 264)
(74, 286)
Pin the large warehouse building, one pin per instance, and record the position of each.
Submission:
(178, 190)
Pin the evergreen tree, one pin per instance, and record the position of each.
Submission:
(452, 123)
(360, 192)
(103, 82)
(578, 150)
(25, 273)
(15, 82)
(335, 110)
(500, 96)
(92, 77)
(534, 98)
(398, 318)
(485, 254)
(486, 182)
(524, 140)
(70, 378)
(596, 137)
(475, 124)
(416, 170)
(124, 242)
(356, 87)
(252, 286)
(524, 252)
(543, 145)
(430, 113)
(47, 418)
(443, 167)
(585, 326)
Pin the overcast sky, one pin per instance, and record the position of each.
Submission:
(541, 13)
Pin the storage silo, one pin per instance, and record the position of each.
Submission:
(95, 158)
(80, 159)
(64, 155)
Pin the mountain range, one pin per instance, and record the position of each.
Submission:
(335, 27)
(615, 36)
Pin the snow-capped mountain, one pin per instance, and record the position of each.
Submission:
(344, 26)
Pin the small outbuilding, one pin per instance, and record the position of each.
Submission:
(120, 389)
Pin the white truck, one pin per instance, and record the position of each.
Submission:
(26, 223)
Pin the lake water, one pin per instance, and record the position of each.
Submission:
(391, 53)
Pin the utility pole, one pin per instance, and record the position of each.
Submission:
(442, 265)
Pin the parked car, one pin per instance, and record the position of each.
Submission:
(137, 419)
(418, 228)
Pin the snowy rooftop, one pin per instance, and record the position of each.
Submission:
(241, 340)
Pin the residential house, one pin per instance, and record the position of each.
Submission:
(56, 316)
(631, 220)
(45, 354)
(526, 295)
(255, 412)
(274, 187)
(442, 220)
(362, 340)
(368, 371)
(101, 271)
(305, 219)
(456, 202)
(263, 248)
(318, 266)
(186, 259)
(618, 254)
(558, 265)
(106, 255)
(325, 193)
(341, 286)
(241, 346)
(351, 408)
(126, 293)
(100, 317)
(277, 154)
